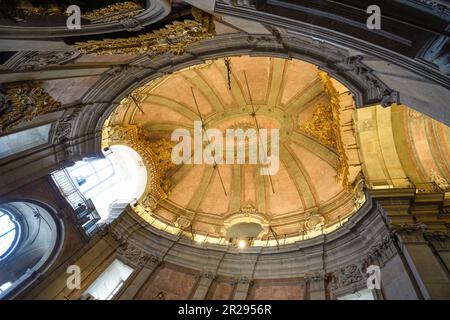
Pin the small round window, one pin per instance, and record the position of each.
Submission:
(8, 234)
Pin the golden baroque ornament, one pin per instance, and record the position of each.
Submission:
(114, 12)
(321, 125)
(23, 101)
(325, 126)
(174, 38)
(155, 154)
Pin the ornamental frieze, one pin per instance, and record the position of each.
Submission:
(354, 274)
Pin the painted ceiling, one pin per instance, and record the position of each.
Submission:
(287, 94)
(381, 148)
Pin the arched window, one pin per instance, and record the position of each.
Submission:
(119, 178)
(8, 234)
(30, 239)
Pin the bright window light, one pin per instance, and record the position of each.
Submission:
(5, 287)
(110, 281)
(23, 140)
(8, 230)
(119, 177)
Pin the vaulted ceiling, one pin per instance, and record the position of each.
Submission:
(286, 94)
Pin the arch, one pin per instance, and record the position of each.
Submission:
(37, 246)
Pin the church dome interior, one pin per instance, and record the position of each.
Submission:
(224, 150)
(303, 198)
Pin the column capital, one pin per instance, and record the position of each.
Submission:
(410, 232)
(439, 239)
(207, 275)
(315, 277)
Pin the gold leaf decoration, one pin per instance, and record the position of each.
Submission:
(325, 126)
(27, 9)
(174, 38)
(162, 149)
(157, 155)
(114, 12)
(23, 101)
(321, 125)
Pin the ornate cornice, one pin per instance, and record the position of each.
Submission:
(34, 61)
(130, 252)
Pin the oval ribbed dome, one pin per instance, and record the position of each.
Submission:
(289, 95)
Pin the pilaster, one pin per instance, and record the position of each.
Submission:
(204, 283)
(429, 272)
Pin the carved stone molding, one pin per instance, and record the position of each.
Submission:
(349, 275)
(63, 127)
(376, 87)
(251, 4)
(34, 61)
(354, 274)
(132, 24)
(380, 253)
(245, 280)
(439, 180)
(133, 254)
(137, 256)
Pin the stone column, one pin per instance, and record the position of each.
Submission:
(141, 277)
(316, 286)
(241, 288)
(429, 272)
(203, 284)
